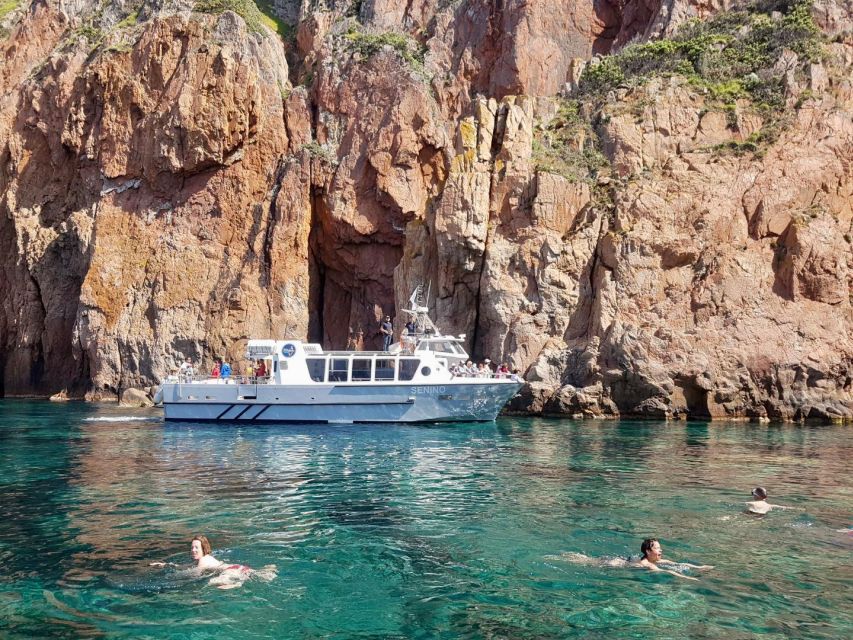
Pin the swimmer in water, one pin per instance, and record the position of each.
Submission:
(230, 575)
(760, 506)
(202, 553)
(653, 556)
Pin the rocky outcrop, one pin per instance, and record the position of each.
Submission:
(144, 214)
(171, 185)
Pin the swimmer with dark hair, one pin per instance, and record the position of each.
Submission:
(653, 556)
(760, 506)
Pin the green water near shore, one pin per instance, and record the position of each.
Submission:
(418, 532)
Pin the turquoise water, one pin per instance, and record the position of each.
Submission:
(418, 532)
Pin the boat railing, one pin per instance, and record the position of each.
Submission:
(494, 375)
(202, 378)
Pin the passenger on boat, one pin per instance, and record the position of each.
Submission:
(248, 372)
(411, 328)
(261, 371)
(225, 371)
(387, 331)
(503, 370)
(214, 373)
(186, 370)
(760, 506)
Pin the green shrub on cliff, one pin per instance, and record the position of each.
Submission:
(130, 20)
(7, 7)
(251, 13)
(568, 145)
(728, 58)
(368, 44)
(734, 50)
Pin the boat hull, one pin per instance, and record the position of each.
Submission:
(473, 400)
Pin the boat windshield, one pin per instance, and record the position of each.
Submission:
(361, 369)
(443, 347)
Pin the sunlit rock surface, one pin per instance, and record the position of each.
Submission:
(173, 182)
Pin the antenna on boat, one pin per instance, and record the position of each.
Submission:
(419, 311)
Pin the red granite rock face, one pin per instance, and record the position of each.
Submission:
(167, 192)
(153, 206)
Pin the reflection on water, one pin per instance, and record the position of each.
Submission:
(400, 531)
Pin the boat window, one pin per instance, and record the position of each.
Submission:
(444, 347)
(339, 370)
(408, 368)
(316, 368)
(425, 371)
(360, 369)
(385, 369)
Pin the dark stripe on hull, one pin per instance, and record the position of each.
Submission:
(237, 417)
(230, 406)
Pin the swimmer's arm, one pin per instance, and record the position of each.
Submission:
(672, 573)
(162, 564)
(686, 564)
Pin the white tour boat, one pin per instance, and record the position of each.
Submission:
(411, 382)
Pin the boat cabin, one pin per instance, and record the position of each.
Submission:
(294, 362)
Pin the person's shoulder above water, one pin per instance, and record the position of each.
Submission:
(201, 552)
(760, 506)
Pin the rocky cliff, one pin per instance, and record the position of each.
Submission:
(645, 206)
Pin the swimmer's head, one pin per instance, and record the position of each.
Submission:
(200, 547)
(759, 493)
(651, 549)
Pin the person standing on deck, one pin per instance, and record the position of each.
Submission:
(186, 370)
(387, 331)
(225, 371)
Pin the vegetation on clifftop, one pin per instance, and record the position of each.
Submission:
(7, 7)
(732, 54)
(729, 58)
(367, 44)
(255, 15)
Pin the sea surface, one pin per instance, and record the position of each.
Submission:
(396, 531)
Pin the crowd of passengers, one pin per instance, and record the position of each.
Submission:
(253, 371)
(482, 370)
